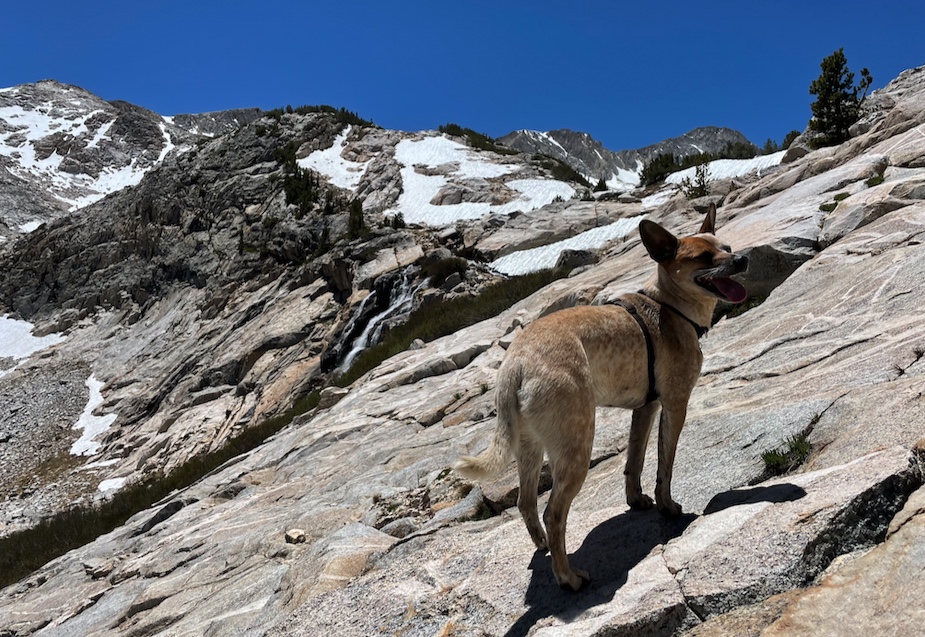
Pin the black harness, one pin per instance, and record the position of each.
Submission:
(652, 394)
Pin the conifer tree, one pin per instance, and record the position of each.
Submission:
(837, 104)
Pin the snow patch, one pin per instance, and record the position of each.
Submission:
(658, 199)
(341, 172)
(30, 226)
(729, 168)
(17, 341)
(534, 259)
(112, 484)
(461, 162)
(91, 425)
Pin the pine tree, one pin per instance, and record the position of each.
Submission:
(356, 224)
(837, 104)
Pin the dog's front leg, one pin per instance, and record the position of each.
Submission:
(669, 430)
(636, 455)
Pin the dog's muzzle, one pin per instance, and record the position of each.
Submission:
(716, 280)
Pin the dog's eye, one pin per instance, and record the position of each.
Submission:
(706, 257)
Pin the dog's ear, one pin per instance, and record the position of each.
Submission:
(661, 244)
(709, 222)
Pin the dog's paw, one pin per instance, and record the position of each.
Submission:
(574, 579)
(669, 509)
(640, 501)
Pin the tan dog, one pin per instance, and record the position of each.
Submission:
(639, 353)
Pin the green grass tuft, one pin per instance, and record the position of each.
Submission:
(791, 455)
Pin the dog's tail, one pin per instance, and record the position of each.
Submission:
(496, 457)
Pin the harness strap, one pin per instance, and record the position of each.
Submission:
(700, 329)
(652, 394)
(650, 349)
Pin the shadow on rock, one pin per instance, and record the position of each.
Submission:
(785, 492)
(608, 553)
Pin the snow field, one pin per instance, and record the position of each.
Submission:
(31, 125)
(419, 190)
(339, 171)
(534, 259)
(728, 168)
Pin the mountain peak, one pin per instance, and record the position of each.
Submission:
(619, 169)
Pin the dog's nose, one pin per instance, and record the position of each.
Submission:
(740, 262)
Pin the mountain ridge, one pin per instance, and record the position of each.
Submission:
(62, 148)
(205, 299)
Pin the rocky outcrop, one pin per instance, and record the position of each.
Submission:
(589, 157)
(392, 541)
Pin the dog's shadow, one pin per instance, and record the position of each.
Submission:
(612, 549)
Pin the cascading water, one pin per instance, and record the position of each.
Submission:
(401, 299)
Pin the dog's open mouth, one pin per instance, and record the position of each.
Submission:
(723, 287)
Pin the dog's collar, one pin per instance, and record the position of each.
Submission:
(700, 329)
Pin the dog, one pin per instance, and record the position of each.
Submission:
(641, 352)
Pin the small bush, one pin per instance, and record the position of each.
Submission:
(791, 455)
(841, 196)
(876, 180)
(699, 186)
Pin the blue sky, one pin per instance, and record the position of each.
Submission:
(628, 73)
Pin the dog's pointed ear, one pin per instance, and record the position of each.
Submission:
(709, 222)
(661, 244)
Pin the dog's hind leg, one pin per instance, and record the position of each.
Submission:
(636, 455)
(570, 465)
(529, 455)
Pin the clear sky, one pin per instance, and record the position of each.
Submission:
(628, 73)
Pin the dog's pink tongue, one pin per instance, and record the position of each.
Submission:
(733, 291)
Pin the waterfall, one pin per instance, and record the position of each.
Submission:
(401, 298)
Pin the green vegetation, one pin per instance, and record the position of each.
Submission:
(876, 180)
(770, 146)
(791, 455)
(699, 186)
(663, 165)
(788, 139)
(341, 114)
(397, 221)
(25, 551)
(476, 140)
(561, 171)
(601, 185)
(837, 104)
(445, 317)
(356, 223)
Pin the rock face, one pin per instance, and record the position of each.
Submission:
(62, 148)
(587, 156)
(350, 522)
